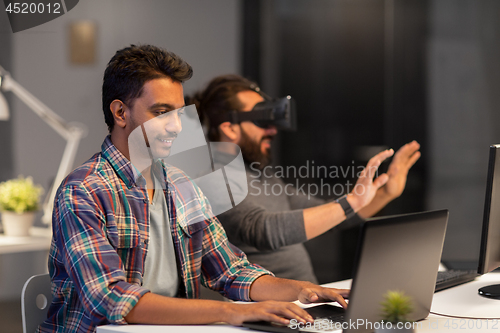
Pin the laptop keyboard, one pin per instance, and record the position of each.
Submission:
(451, 278)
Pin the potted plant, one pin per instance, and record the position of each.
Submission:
(396, 308)
(19, 200)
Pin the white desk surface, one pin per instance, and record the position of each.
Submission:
(38, 240)
(462, 300)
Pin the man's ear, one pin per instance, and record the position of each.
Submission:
(230, 132)
(118, 110)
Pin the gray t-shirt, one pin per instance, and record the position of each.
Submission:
(160, 271)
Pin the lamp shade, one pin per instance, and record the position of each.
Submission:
(4, 108)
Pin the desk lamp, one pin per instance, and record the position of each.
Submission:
(71, 132)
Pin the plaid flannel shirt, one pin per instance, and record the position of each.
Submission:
(100, 242)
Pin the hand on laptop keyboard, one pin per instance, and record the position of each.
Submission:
(317, 294)
(271, 311)
(267, 288)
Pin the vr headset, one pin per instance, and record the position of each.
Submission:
(277, 112)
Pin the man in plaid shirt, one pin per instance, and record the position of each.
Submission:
(105, 211)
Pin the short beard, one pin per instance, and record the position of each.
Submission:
(251, 151)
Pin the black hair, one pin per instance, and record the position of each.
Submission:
(131, 67)
(219, 97)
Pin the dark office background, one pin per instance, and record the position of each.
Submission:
(365, 76)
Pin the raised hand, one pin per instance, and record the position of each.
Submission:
(366, 187)
(403, 160)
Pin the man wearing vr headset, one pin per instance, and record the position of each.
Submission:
(271, 229)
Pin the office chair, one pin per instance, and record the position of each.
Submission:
(35, 300)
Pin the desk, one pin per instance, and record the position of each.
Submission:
(38, 240)
(20, 258)
(462, 300)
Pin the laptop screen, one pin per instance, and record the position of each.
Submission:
(396, 253)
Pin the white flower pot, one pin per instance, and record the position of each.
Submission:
(18, 225)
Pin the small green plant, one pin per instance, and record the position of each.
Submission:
(396, 307)
(19, 195)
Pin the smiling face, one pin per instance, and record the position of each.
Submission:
(157, 114)
(255, 142)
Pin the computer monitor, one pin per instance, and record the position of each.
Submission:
(489, 256)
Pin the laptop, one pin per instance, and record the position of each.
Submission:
(395, 253)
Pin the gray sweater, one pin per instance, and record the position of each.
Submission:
(269, 228)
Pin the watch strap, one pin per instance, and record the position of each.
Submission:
(349, 212)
